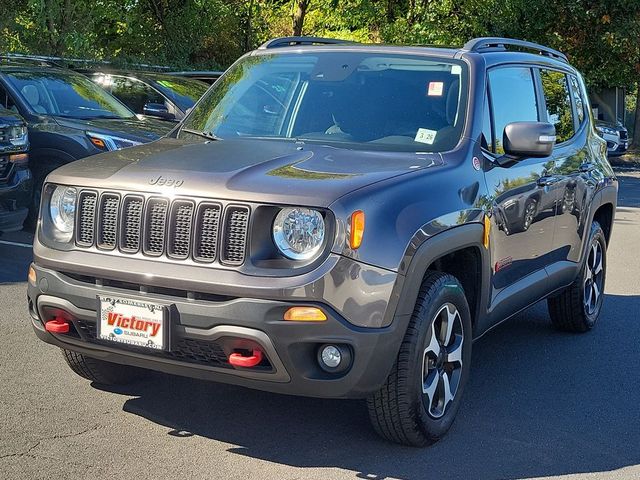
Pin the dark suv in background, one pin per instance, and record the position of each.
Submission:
(15, 176)
(159, 95)
(68, 116)
(329, 221)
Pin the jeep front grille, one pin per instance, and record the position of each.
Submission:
(85, 224)
(235, 235)
(180, 229)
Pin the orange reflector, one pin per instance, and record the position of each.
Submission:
(357, 229)
(98, 142)
(304, 314)
(19, 158)
(487, 231)
(32, 276)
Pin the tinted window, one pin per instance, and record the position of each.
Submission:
(6, 101)
(514, 99)
(577, 98)
(558, 100)
(183, 91)
(486, 125)
(66, 95)
(133, 93)
(355, 99)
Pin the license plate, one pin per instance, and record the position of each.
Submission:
(132, 322)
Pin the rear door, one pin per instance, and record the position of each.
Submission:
(566, 107)
(523, 197)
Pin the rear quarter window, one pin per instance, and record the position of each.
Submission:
(558, 100)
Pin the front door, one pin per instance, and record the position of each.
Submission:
(524, 197)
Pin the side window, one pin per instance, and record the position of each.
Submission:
(514, 99)
(134, 93)
(6, 101)
(558, 99)
(487, 139)
(577, 98)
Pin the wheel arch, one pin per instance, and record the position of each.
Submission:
(604, 216)
(458, 251)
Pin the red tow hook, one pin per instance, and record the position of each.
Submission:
(238, 360)
(59, 325)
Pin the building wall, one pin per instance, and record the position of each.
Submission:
(608, 104)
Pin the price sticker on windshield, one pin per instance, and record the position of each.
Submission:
(435, 89)
(425, 135)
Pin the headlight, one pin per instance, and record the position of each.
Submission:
(109, 142)
(606, 130)
(18, 136)
(298, 232)
(62, 208)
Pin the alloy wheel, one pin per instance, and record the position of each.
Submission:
(529, 214)
(593, 278)
(442, 361)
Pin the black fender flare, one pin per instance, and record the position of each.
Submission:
(413, 268)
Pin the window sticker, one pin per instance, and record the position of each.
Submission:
(425, 136)
(456, 70)
(435, 89)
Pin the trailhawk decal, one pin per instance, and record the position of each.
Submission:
(132, 322)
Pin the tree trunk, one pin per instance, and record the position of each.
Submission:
(635, 143)
(298, 16)
(248, 30)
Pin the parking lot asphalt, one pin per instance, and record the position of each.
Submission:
(539, 404)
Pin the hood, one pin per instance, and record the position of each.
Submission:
(144, 131)
(615, 126)
(248, 170)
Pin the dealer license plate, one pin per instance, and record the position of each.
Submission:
(133, 322)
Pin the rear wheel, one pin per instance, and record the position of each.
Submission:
(418, 403)
(577, 308)
(99, 371)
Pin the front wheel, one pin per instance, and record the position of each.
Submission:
(419, 400)
(577, 308)
(99, 371)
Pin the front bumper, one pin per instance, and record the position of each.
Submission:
(16, 191)
(199, 324)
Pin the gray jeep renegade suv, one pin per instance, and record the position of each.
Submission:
(335, 220)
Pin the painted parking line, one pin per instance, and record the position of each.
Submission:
(16, 244)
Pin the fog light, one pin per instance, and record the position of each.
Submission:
(331, 356)
(334, 358)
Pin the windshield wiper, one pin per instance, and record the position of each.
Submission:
(208, 135)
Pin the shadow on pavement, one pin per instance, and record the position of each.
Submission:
(629, 191)
(539, 403)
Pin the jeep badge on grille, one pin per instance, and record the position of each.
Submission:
(166, 182)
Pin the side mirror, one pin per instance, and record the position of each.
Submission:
(525, 140)
(157, 110)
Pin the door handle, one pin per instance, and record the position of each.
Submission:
(546, 181)
(587, 167)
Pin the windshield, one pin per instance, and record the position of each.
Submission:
(184, 92)
(64, 94)
(354, 99)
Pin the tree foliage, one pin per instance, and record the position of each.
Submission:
(600, 36)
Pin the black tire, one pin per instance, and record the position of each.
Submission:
(99, 371)
(400, 412)
(569, 310)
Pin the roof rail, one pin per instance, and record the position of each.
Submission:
(73, 63)
(36, 59)
(292, 41)
(500, 44)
